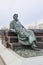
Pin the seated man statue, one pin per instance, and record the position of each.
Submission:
(25, 37)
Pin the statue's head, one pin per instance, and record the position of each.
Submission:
(15, 16)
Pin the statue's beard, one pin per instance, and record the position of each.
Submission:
(16, 19)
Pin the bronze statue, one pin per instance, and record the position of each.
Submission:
(25, 37)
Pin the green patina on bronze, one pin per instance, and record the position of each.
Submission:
(25, 37)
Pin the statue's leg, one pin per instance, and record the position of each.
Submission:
(34, 47)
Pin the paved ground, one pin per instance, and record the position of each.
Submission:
(1, 62)
(12, 58)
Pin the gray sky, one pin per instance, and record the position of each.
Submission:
(29, 11)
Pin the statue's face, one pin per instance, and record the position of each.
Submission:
(15, 16)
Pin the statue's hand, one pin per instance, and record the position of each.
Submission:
(12, 30)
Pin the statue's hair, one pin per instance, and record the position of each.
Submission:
(15, 15)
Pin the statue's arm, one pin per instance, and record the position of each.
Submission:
(11, 27)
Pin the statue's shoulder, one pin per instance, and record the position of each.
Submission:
(11, 22)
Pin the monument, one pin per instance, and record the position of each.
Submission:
(25, 37)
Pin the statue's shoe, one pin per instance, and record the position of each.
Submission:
(34, 47)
